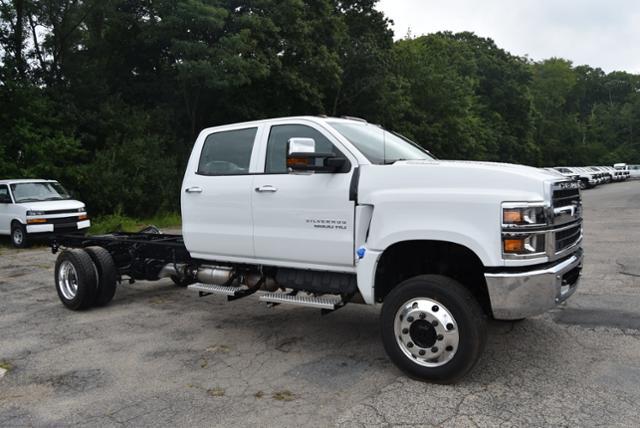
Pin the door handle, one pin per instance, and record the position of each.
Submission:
(194, 189)
(266, 188)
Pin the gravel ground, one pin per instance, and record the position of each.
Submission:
(159, 355)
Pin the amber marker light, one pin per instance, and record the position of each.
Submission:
(36, 220)
(513, 245)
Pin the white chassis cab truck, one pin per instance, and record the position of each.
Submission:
(320, 212)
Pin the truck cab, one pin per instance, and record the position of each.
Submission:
(307, 195)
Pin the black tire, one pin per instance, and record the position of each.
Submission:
(107, 274)
(83, 275)
(584, 184)
(456, 300)
(19, 235)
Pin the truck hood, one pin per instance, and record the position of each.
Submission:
(512, 182)
(69, 204)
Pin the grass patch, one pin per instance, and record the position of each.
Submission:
(122, 223)
(284, 395)
(216, 392)
(5, 365)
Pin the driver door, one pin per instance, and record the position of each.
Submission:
(302, 218)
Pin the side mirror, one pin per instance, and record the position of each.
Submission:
(302, 156)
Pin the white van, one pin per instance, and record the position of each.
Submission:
(29, 207)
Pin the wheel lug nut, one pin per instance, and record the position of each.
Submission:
(410, 319)
(422, 316)
(434, 323)
(409, 345)
(435, 308)
(421, 352)
(434, 349)
(449, 326)
(405, 330)
(440, 337)
(449, 348)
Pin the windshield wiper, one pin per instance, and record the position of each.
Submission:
(29, 200)
(392, 161)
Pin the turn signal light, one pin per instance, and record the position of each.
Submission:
(513, 245)
(512, 216)
(36, 220)
(293, 162)
(83, 217)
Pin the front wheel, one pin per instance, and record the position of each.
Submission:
(18, 235)
(433, 328)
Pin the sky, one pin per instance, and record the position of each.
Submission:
(600, 33)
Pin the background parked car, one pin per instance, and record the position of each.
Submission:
(37, 207)
(587, 178)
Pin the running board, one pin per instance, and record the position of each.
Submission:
(205, 289)
(323, 302)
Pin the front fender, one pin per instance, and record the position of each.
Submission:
(450, 236)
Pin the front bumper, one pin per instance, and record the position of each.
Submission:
(523, 293)
(62, 227)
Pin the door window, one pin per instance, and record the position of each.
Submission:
(279, 135)
(227, 152)
(5, 197)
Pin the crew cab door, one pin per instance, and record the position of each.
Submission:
(302, 218)
(216, 195)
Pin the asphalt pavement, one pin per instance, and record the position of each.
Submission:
(159, 355)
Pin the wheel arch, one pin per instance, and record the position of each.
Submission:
(17, 220)
(406, 259)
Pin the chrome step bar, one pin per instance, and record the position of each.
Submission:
(322, 302)
(216, 289)
(327, 302)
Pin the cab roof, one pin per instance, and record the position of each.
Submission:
(316, 119)
(26, 180)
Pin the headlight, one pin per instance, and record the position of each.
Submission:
(81, 210)
(32, 213)
(523, 215)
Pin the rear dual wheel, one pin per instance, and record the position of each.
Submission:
(433, 328)
(85, 277)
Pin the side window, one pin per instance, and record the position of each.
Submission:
(279, 135)
(227, 152)
(5, 198)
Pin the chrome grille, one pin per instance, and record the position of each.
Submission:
(563, 197)
(566, 238)
(566, 205)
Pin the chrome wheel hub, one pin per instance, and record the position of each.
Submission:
(17, 236)
(426, 332)
(67, 280)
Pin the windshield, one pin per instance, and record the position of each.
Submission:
(379, 146)
(36, 192)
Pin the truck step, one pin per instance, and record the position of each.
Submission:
(323, 302)
(216, 289)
